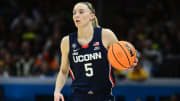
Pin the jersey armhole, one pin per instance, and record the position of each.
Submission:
(70, 46)
(100, 37)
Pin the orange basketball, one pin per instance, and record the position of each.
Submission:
(122, 55)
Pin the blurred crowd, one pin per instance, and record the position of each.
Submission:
(31, 30)
(153, 26)
(30, 34)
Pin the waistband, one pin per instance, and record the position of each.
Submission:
(93, 92)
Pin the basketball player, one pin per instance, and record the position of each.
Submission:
(84, 54)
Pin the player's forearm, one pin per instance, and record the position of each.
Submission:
(60, 81)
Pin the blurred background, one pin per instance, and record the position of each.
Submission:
(31, 31)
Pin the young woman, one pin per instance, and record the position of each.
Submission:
(84, 54)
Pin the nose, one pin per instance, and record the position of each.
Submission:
(76, 15)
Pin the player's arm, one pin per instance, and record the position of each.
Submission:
(64, 69)
(108, 37)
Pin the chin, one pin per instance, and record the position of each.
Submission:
(79, 26)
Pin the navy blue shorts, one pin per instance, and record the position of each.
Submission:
(91, 96)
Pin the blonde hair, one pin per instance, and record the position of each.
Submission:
(95, 20)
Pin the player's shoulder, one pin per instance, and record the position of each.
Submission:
(65, 44)
(109, 36)
(107, 32)
(65, 40)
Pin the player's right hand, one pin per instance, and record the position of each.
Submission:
(58, 96)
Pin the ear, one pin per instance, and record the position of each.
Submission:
(92, 15)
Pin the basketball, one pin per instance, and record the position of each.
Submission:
(122, 55)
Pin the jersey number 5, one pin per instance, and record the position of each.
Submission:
(89, 69)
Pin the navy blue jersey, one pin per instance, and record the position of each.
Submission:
(89, 67)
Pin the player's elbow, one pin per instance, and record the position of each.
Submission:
(64, 70)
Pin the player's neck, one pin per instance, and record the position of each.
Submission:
(85, 32)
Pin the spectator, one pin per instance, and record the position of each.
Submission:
(137, 74)
(24, 65)
(152, 57)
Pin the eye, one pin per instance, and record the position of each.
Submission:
(81, 12)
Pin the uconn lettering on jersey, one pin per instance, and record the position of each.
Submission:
(87, 57)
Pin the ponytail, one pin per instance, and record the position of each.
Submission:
(95, 22)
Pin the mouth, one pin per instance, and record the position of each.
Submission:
(77, 21)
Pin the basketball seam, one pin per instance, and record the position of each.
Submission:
(125, 54)
(117, 59)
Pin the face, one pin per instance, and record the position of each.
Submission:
(82, 15)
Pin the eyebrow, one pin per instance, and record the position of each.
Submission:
(79, 9)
